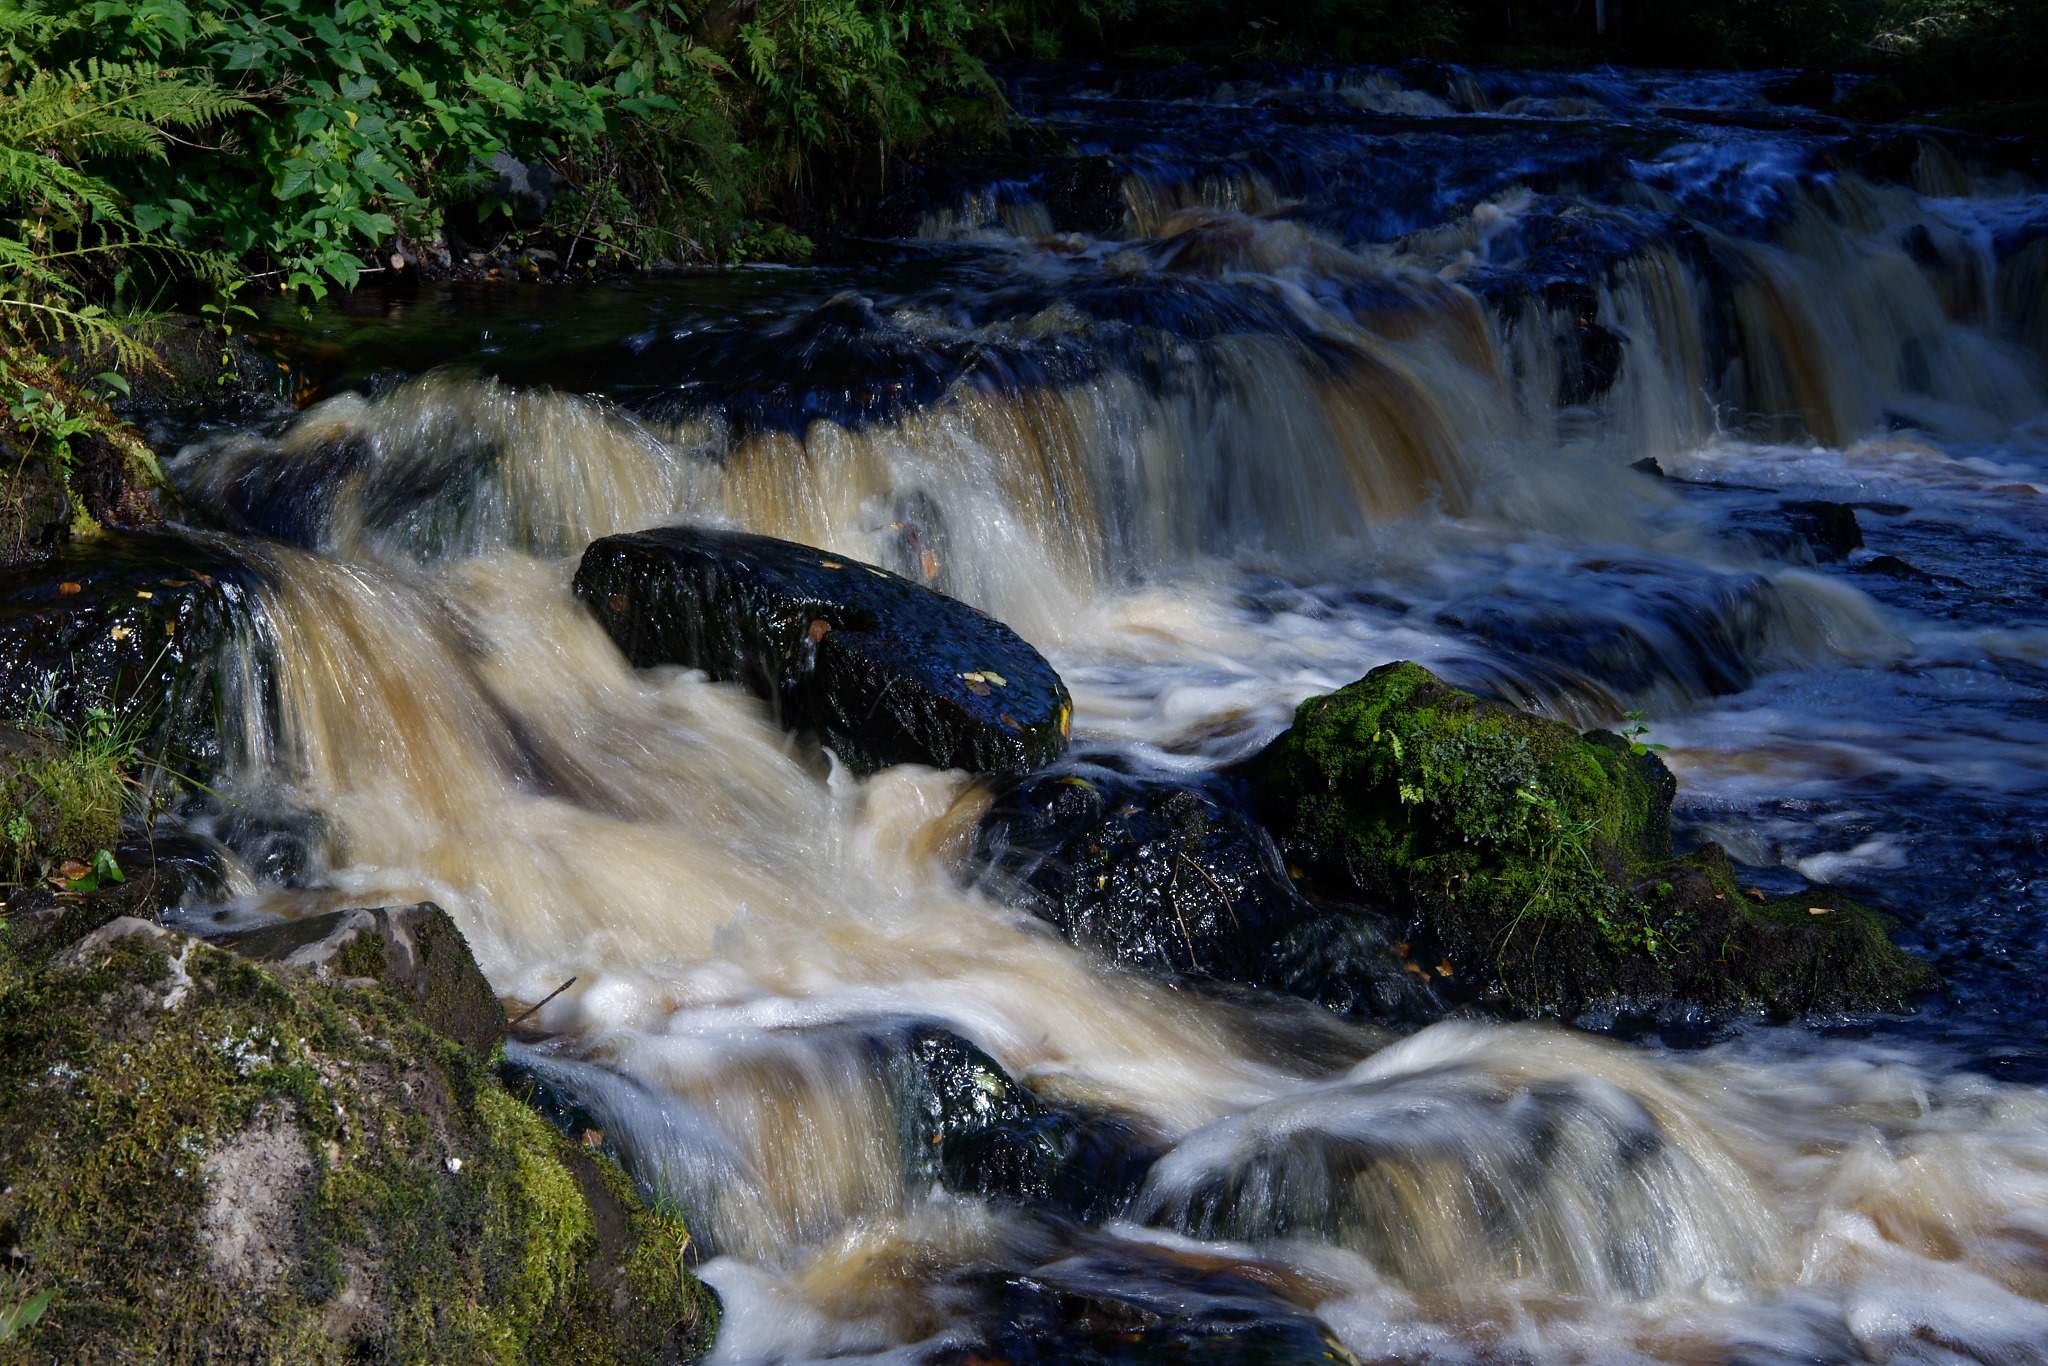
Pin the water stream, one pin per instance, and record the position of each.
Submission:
(1279, 378)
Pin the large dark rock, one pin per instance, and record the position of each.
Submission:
(881, 669)
(970, 1127)
(1534, 864)
(1180, 882)
(1830, 529)
(1165, 878)
(124, 630)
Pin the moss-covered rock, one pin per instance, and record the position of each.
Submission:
(209, 1159)
(1534, 863)
(414, 950)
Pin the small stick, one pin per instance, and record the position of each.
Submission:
(515, 1023)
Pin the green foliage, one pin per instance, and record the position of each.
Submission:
(366, 122)
(69, 247)
(65, 792)
(64, 229)
(1634, 732)
(833, 76)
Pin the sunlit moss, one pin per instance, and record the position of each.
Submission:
(426, 1215)
(1536, 862)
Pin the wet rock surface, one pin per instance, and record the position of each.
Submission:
(1169, 879)
(128, 624)
(211, 1156)
(1180, 882)
(971, 1128)
(35, 510)
(879, 668)
(1829, 528)
(1534, 865)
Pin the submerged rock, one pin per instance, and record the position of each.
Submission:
(1534, 864)
(881, 669)
(207, 1158)
(1180, 882)
(1830, 529)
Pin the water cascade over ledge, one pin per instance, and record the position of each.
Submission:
(1537, 380)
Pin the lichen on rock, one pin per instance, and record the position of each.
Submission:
(1534, 863)
(208, 1158)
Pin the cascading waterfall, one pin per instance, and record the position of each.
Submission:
(1218, 454)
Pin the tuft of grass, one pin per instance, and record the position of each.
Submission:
(68, 788)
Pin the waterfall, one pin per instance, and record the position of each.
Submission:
(1293, 399)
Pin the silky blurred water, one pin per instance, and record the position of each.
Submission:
(1274, 380)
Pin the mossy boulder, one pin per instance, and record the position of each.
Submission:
(1533, 864)
(883, 670)
(415, 951)
(210, 1159)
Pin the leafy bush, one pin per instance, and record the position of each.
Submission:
(364, 122)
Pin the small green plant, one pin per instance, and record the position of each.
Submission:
(1634, 732)
(72, 797)
(224, 310)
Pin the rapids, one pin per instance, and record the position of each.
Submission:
(1274, 379)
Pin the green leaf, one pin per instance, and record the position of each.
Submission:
(103, 865)
(23, 1316)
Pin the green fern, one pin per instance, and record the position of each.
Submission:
(67, 241)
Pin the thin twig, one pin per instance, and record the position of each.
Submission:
(520, 1020)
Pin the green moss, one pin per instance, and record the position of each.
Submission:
(1535, 862)
(417, 1212)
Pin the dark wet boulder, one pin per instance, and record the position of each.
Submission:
(879, 668)
(1892, 567)
(1533, 864)
(1180, 882)
(970, 1127)
(1162, 877)
(123, 631)
(1829, 528)
(1085, 194)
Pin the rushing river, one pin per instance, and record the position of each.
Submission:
(1274, 379)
